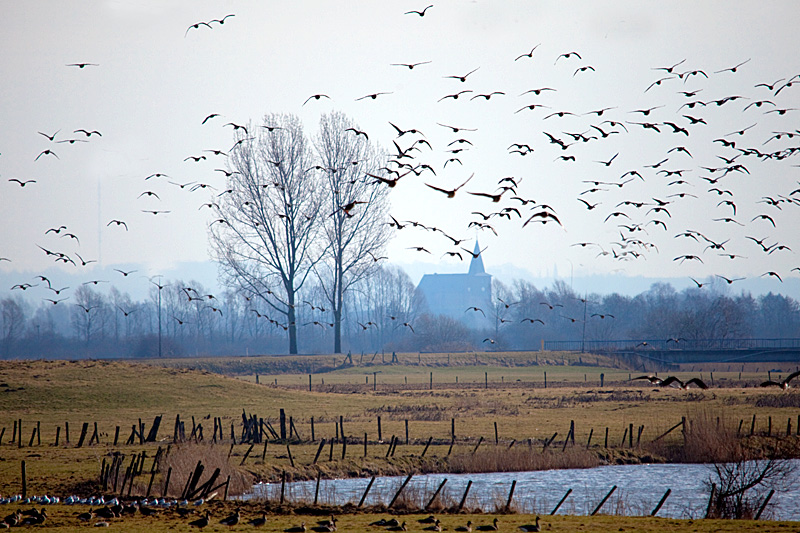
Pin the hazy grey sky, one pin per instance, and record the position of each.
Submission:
(154, 83)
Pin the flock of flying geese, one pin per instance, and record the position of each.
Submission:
(641, 220)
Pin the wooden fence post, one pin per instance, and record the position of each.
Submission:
(480, 440)
(24, 481)
(319, 450)
(397, 495)
(510, 495)
(364, 496)
(464, 497)
(435, 494)
(661, 502)
(555, 509)
(764, 505)
(603, 501)
(711, 499)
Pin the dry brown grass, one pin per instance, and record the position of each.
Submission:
(183, 459)
(522, 459)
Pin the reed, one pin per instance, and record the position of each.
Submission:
(522, 459)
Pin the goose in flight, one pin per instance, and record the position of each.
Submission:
(673, 381)
(783, 384)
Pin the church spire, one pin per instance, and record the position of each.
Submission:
(476, 264)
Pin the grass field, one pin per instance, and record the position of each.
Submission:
(62, 518)
(502, 391)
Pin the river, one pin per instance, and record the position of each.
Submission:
(639, 489)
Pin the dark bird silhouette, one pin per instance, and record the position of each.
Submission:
(451, 192)
(197, 25)
(202, 522)
(733, 69)
(773, 274)
(489, 527)
(47, 152)
(358, 132)
(20, 182)
(529, 54)
(687, 258)
(316, 97)
(222, 20)
(608, 163)
(82, 65)
(671, 68)
(118, 223)
(258, 522)
(85, 262)
(764, 217)
(455, 128)
(420, 13)
(51, 138)
(487, 96)
(729, 281)
(373, 96)
(463, 78)
(532, 320)
(455, 95)
(232, 519)
(783, 384)
(531, 528)
(583, 69)
(567, 56)
(410, 65)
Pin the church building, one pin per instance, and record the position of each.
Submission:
(454, 294)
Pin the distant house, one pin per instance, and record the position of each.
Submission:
(454, 294)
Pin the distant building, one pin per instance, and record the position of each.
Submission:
(453, 294)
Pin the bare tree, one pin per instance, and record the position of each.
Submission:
(87, 314)
(264, 234)
(354, 228)
(12, 323)
(739, 488)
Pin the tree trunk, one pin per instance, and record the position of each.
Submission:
(290, 316)
(337, 308)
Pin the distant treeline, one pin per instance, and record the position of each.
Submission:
(383, 313)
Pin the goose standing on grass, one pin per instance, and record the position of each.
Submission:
(467, 528)
(296, 529)
(783, 384)
(488, 527)
(231, 520)
(531, 528)
(258, 522)
(401, 527)
(200, 523)
(437, 526)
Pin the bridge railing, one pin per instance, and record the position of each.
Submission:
(671, 344)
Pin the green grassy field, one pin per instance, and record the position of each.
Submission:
(502, 391)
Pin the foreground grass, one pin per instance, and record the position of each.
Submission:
(62, 518)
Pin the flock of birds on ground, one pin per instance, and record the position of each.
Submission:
(642, 202)
(103, 514)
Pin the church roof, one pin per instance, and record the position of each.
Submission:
(476, 264)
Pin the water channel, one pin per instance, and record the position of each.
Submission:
(639, 489)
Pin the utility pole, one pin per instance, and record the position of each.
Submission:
(583, 337)
(159, 312)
